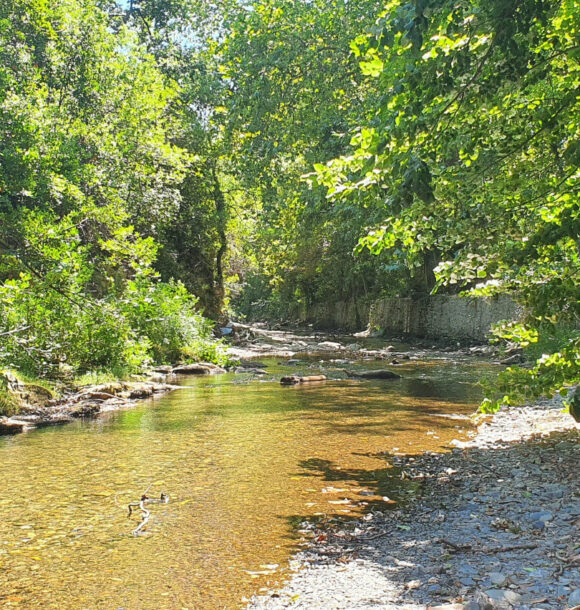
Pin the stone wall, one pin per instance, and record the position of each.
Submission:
(449, 317)
(351, 315)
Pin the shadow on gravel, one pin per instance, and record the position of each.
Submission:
(496, 527)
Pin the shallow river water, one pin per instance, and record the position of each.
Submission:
(244, 462)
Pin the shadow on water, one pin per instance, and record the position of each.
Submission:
(457, 536)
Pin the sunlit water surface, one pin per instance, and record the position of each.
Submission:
(243, 461)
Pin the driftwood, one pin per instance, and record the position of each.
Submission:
(294, 379)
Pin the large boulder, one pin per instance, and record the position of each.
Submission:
(198, 368)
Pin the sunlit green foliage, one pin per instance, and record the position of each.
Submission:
(85, 123)
(475, 148)
(296, 90)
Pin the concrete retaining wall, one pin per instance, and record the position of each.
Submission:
(449, 317)
(345, 315)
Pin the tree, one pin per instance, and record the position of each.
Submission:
(85, 122)
(179, 34)
(475, 149)
(295, 91)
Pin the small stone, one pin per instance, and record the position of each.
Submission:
(471, 605)
(503, 598)
(541, 516)
(498, 579)
(574, 599)
(539, 525)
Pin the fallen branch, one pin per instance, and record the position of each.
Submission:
(293, 379)
(374, 537)
(497, 549)
(14, 331)
(456, 547)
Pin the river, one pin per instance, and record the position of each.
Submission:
(245, 461)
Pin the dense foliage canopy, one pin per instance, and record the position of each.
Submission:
(475, 148)
(86, 157)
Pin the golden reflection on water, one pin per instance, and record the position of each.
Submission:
(243, 464)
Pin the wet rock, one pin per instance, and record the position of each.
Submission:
(107, 388)
(330, 345)
(250, 371)
(11, 426)
(378, 374)
(198, 368)
(97, 395)
(142, 391)
(85, 409)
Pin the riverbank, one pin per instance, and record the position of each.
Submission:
(37, 408)
(496, 525)
(37, 405)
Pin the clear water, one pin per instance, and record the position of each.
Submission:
(243, 461)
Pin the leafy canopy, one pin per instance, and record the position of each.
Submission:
(474, 148)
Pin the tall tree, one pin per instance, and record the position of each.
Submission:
(85, 122)
(296, 90)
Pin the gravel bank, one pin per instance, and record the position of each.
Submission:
(496, 525)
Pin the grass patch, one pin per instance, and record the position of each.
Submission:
(9, 403)
(102, 376)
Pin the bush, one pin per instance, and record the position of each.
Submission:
(52, 334)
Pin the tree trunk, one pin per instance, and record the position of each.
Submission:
(216, 306)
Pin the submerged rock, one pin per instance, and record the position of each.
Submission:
(378, 374)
